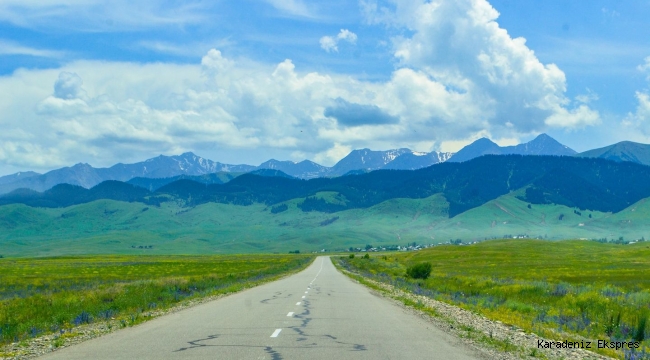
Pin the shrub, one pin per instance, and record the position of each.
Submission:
(351, 256)
(366, 256)
(279, 208)
(419, 271)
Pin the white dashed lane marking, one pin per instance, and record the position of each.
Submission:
(290, 314)
(298, 303)
(276, 333)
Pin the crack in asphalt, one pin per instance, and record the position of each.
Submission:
(300, 330)
(274, 354)
(275, 296)
(195, 343)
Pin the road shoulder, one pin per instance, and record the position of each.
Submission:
(42, 345)
(492, 338)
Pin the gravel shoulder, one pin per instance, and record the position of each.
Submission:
(497, 340)
(38, 346)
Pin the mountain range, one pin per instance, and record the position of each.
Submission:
(622, 151)
(167, 169)
(582, 183)
(541, 145)
(492, 196)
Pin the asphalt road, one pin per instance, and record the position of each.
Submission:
(318, 313)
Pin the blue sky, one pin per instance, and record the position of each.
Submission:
(243, 81)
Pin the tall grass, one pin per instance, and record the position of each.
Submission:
(54, 294)
(600, 291)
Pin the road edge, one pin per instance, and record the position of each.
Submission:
(39, 346)
(492, 338)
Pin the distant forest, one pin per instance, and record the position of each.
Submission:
(583, 183)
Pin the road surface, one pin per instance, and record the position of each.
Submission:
(318, 313)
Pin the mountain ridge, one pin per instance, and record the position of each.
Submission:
(582, 183)
(188, 165)
(541, 145)
(622, 151)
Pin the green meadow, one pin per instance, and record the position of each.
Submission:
(46, 295)
(579, 288)
(113, 227)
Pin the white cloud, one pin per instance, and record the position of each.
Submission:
(12, 48)
(587, 98)
(191, 49)
(645, 67)
(69, 86)
(459, 76)
(638, 122)
(463, 51)
(333, 154)
(100, 15)
(292, 7)
(610, 13)
(329, 43)
(573, 118)
(347, 35)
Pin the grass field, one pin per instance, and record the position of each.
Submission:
(584, 288)
(111, 227)
(48, 295)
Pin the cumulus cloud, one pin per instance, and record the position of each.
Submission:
(68, 86)
(350, 114)
(330, 43)
(458, 76)
(645, 67)
(461, 47)
(580, 116)
(639, 120)
(637, 123)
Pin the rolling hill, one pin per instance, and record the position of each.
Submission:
(115, 227)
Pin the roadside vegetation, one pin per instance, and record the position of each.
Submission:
(564, 290)
(48, 295)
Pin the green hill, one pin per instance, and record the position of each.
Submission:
(114, 227)
(484, 198)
